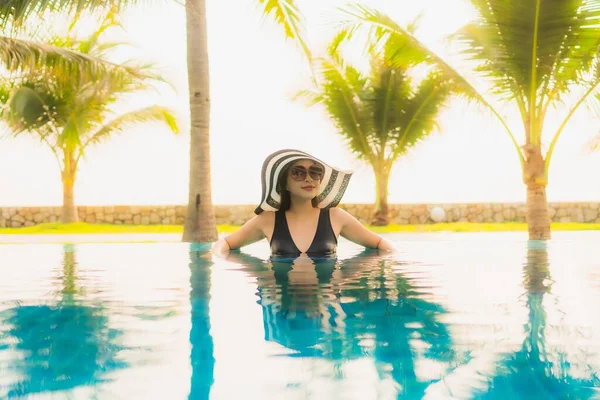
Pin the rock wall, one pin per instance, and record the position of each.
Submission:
(238, 214)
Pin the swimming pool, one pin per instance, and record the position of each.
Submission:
(459, 316)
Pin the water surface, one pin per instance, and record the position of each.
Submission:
(461, 316)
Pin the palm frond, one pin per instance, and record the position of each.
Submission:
(343, 93)
(391, 90)
(525, 45)
(18, 11)
(380, 115)
(146, 114)
(287, 14)
(23, 55)
(422, 111)
(382, 25)
(342, 36)
(310, 97)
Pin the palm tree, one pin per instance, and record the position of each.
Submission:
(384, 114)
(70, 114)
(537, 55)
(200, 222)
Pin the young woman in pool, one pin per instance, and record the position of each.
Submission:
(297, 214)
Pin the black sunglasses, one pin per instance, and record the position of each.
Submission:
(298, 173)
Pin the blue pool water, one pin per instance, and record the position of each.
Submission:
(452, 316)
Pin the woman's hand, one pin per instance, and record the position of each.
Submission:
(221, 248)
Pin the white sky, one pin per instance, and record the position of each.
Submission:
(254, 72)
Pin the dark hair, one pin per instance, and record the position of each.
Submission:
(286, 200)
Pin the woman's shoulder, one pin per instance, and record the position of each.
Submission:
(339, 216)
(338, 213)
(265, 217)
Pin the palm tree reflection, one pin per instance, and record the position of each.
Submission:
(202, 358)
(535, 371)
(352, 309)
(65, 344)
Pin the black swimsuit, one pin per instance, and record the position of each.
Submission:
(324, 243)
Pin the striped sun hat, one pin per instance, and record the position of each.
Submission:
(331, 190)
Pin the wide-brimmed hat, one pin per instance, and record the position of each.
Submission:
(331, 190)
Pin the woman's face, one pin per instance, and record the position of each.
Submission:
(304, 178)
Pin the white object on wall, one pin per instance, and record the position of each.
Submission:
(437, 214)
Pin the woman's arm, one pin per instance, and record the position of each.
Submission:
(252, 231)
(354, 231)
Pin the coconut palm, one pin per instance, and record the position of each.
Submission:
(537, 56)
(200, 222)
(383, 114)
(71, 113)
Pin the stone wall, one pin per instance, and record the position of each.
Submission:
(237, 215)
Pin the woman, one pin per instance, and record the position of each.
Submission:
(297, 214)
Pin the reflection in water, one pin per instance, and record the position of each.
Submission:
(202, 358)
(461, 325)
(534, 372)
(358, 308)
(62, 345)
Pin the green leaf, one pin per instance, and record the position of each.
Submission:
(422, 111)
(18, 11)
(287, 14)
(143, 115)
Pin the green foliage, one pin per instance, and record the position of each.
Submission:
(385, 112)
(35, 53)
(29, 105)
(534, 53)
(287, 14)
(71, 112)
(17, 12)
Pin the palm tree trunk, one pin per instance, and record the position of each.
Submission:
(538, 219)
(200, 222)
(534, 177)
(382, 177)
(69, 210)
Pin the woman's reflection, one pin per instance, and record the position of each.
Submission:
(342, 310)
